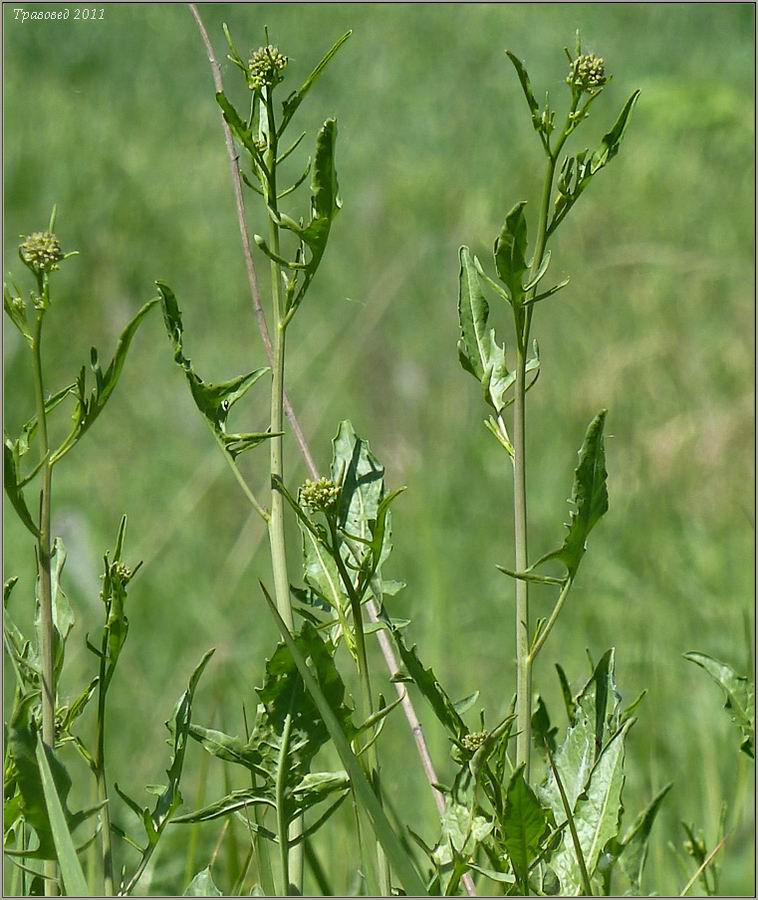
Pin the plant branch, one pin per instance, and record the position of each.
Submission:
(252, 278)
(46, 637)
(548, 626)
(388, 652)
(100, 776)
(703, 866)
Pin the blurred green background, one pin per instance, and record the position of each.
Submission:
(115, 121)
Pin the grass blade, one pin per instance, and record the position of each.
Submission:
(71, 870)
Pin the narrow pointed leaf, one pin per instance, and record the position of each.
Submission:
(12, 489)
(526, 87)
(292, 102)
(589, 497)
(71, 870)
(634, 845)
(214, 401)
(609, 146)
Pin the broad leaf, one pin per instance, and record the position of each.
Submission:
(28, 778)
(478, 350)
(286, 713)
(325, 204)
(524, 825)
(462, 832)
(740, 700)
(596, 816)
(63, 614)
(510, 252)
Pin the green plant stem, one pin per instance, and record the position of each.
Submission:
(523, 661)
(100, 776)
(548, 626)
(523, 321)
(282, 827)
(43, 558)
(372, 755)
(276, 519)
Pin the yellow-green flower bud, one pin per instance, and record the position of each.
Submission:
(587, 73)
(265, 67)
(473, 741)
(41, 251)
(121, 572)
(319, 496)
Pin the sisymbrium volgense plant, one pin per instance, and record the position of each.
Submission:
(524, 807)
(42, 724)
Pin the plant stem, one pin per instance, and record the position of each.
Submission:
(548, 626)
(372, 755)
(100, 777)
(281, 817)
(276, 520)
(384, 642)
(43, 557)
(524, 662)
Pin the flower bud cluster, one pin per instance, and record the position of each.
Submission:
(319, 496)
(473, 741)
(41, 252)
(265, 67)
(587, 73)
(122, 572)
